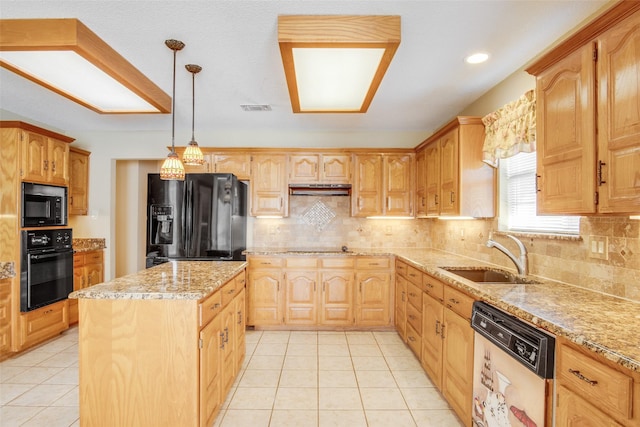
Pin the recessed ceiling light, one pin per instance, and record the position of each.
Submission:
(477, 58)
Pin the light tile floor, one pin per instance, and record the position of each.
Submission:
(288, 379)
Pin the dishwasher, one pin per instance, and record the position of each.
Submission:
(513, 367)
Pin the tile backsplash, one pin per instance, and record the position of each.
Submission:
(325, 222)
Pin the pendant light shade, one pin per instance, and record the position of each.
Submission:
(192, 154)
(172, 168)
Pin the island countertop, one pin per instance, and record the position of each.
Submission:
(601, 323)
(171, 280)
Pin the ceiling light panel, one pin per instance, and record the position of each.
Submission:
(65, 56)
(335, 63)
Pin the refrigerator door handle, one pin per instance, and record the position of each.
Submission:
(188, 218)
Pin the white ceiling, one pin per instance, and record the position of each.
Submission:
(236, 44)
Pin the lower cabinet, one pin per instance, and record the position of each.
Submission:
(178, 357)
(88, 270)
(5, 317)
(43, 323)
(373, 291)
(265, 291)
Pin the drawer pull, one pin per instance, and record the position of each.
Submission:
(231, 291)
(214, 306)
(412, 317)
(583, 378)
(429, 285)
(413, 294)
(374, 263)
(454, 301)
(411, 338)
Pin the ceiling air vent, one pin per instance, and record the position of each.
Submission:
(255, 107)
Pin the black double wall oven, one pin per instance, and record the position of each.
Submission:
(46, 267)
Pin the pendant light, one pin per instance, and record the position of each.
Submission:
(192, 154)
(172, 168)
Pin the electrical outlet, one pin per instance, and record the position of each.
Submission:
(599, 247)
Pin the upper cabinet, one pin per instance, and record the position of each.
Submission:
(383, 184)
(238, 164)
(421, 183)
(588, 121)
(319, 168)
(44, 159)
(269, 185)
(78, 181)
(456, 180)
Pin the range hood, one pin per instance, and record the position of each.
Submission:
(320, 189)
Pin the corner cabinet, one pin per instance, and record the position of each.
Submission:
(456, 180)
(269, 185)
(588, 126)
(78, 181)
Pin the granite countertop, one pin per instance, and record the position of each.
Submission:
(602, 323)
(171, 280)
(7, 270)
(84, 244)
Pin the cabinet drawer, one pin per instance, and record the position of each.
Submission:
(433, 287)
(605, 387)
(78, 259)
(241, 281)
(415, 276)
(228, 292)
(43, 323)
(265, 262)
(373, 263)
(93, 257)
(209, 308)
(337, 262)
(414, 318)
(414, 296)
(302, 262)
(414, 340)
(458, 302)
(401, 268)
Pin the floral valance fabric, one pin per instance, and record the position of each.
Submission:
(510, 130)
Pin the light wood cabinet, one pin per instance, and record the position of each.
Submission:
(43, 323)
(238, 164)
(399, 184)
(44, 159)
(409, 288)
(373, 297)
(432, 338)
(5, 317)
(265, 291)
(421, 183)
(269, 185)
(319, 168)
(88, 270)
(301, 297)
(190, 360)
(458, 182)
(337, 280)
(78, 181)
(593, 390)
(366, 196)
(588, 124)
(400, 313)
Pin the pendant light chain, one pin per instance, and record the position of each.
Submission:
(172, 168)
(192, 154)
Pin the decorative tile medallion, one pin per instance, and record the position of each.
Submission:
(318, 216)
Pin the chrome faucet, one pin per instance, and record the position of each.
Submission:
(521, 263)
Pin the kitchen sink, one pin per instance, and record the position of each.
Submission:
(488, 275)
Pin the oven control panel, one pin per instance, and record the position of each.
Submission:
(49, 239)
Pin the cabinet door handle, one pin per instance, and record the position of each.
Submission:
(583, 378)
(436, 199)
(239, 317)
(403, 296)
(226, 335)
(600, 165)
(437, 327)
(46, 165)
(214, 306)
(537, 183)
(452, 197)
(222, 340)
(442, 331)
(53, 166)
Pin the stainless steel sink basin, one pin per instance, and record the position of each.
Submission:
(488, 275)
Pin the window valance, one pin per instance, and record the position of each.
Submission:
(510, 129)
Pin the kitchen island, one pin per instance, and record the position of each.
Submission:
(161, 346)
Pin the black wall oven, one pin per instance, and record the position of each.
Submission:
(43, 205)
(46, 267)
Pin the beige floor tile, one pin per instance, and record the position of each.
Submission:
(8, 392)
(275, 337)
(57, 346)
(34, 375)
(401, 363)
(369, 363)
(17, 415)
(332, 338)
(59, 360)
(265, 362)
(246, 418)
(302, 349)
(339, 398)
(412, 379)
(72, 349)
(54, 416)
(294, 418)
(7, 372)
(260, 378)
(296, 398)
(28, 359)
(72, 398)
(301, 362)
(66, 376)
(333, 350)
(395, 349)
(250, 347)
(424, 398)
(436, 418)
(253, 398)
(270, 349)
(390, 418)
(387, 338)
(42, 395)
(299, 378)
(382, 398)
(369, 379)
(252, 336)
(365, 350)
(359, 337)
(337, 379)
(334, 363)
(303, 337)
(342, 419)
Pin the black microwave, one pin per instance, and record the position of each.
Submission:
(43, 205)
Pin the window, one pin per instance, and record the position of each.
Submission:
(518, 200)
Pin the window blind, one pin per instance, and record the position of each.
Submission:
(519, 177)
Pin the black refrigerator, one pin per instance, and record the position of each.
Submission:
(203, 217)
